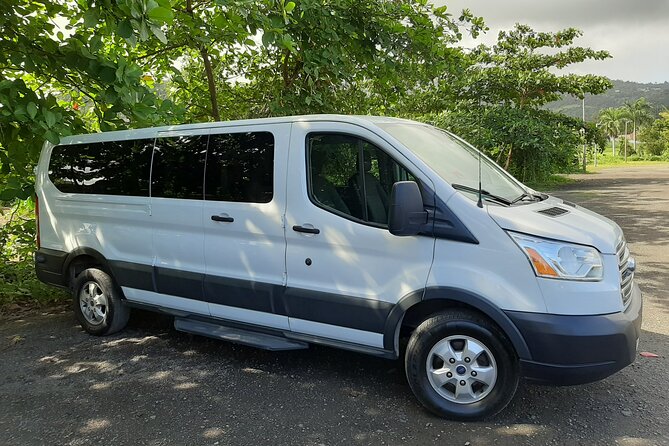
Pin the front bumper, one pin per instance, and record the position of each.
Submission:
(568, 350)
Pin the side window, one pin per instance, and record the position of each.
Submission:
(240, 167)
(352, 176)
(178, 167)
(109, 168)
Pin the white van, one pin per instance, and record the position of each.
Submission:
(355, 232)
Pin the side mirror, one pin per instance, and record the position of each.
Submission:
(406, 215)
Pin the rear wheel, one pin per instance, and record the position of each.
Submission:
(97, 303)
(461, 366)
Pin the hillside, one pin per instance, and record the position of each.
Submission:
(622, 91)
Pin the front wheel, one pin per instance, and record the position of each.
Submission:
(97, 303)
(461, 366)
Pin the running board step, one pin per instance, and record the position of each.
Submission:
(238, 336)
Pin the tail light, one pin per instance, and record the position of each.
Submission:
(37, 219)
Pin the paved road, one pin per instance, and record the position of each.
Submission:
(151, 385)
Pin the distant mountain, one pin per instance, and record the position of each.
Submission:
(622, 91)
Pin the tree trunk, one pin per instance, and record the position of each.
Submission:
(508, 159)
(211, 83)
(634, 136)
(613, 145)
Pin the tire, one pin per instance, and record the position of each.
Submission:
(97, 303)
(447, 340)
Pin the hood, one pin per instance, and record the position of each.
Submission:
(557, 219)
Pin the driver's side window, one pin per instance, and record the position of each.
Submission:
(352, 177)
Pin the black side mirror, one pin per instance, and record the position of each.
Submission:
(406, 216)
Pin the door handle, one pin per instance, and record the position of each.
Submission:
(224, 218)
(306, 230)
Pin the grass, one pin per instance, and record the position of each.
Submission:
(608, 160)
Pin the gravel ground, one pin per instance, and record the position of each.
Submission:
(151, 385)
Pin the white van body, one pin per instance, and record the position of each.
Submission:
(291, 259)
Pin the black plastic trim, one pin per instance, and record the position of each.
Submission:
(336, 309)
(391, 329)
(445, 224)
(180, 283)
(243, 294)
(83, 251)
(579, 349)
(133, 275)
(49, 266)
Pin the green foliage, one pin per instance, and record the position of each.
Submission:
(53, 85)
(621, 92)
(19, 284)
(530, 143)
(17, 231)
(497, 104)
(655, 137)
(520, 70)
(17, 243)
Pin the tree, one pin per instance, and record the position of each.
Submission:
(505, 87)
(522, 68)
(55, 82)
(655, 137)
(544, 142)
(350, 56)
(639, 112)
(609, 122)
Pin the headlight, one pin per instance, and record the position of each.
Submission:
(560, 260)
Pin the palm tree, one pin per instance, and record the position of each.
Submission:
(639, 112)
(609, 122)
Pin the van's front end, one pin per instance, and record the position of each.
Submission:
(556, 278)
(585, 274)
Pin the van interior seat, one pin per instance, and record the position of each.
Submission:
(376, 195)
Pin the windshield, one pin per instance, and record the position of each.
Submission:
(455, 161)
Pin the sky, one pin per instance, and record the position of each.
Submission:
(636, 33)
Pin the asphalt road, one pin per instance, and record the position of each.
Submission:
(152, 385)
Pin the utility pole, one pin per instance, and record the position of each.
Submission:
(585, 150)
(626, 122)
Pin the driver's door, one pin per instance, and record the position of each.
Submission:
(345, 271)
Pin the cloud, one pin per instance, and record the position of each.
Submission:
(565, 12)
(635, 33)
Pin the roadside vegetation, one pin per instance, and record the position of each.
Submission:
(635, 135)
(69, 67)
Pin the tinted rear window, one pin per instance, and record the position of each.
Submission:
(178, 167)
(240, 167)
(109, 168)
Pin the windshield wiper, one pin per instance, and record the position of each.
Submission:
(484, 193)
(526, 195)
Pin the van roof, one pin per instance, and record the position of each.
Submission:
(150, 132)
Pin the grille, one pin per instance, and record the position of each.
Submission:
(626, 276)
(553, 212)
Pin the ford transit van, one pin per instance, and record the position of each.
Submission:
(377, 235)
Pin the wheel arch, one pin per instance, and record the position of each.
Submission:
(83, 256)
(417, 305)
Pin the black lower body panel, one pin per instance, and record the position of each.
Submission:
(49, 266)
(570, 350)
